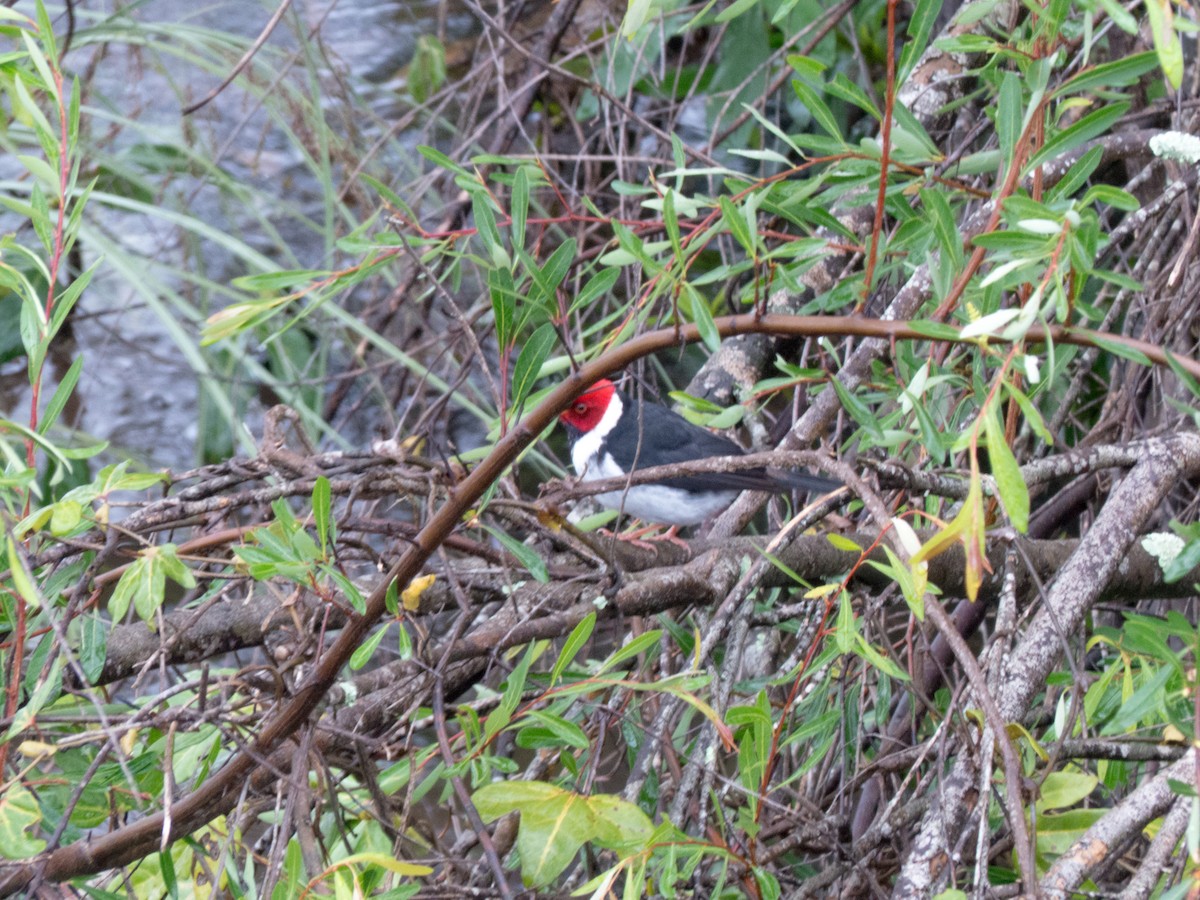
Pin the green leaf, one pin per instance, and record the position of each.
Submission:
(735, 9)
(1113, 196)
(579, 636)
(293, 867)
(550, 731)
(529, 362)
(93, 645)
(1009, 115)
(20, 814)
(599, 284)
(519, 210)
(21, 576)
(944, 226)
(906, 579)
(847, 629)
(1011, 241)
(551, 831)
(966, 528)
(427, 71)
(816, 107)
(514, 687)
(620, 825)
(66, 517)
(1119, 73)
(1090, 126)
(843, 543)
(843, 87)
(671, 223)
(736, 222)
(391, 599)
(45, 689)
(1166, 40)
(938, 331)
(322, 511)
(66, 299)
(549, 276)
(858, 410)
(920, 27)
(702, 316)
(1032, 415)
(485, 228)
(525, 555)
(636, 15)
(556, 823)
(363, 653)
(1056, 832)
(62, 393)
(1116, 348)
(504, 300)
(1077, 176)
(1060, 790)
(1009, 484)
(640, 644)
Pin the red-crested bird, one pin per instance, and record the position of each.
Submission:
(611, 435)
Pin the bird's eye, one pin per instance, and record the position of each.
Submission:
(581, 408)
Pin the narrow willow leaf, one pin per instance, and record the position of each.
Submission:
(1014, 494)
(530, 361)
(640, 644)
(93, 645)
(703, 318)
(550, 275)
(1120, 73)
(322, 515)
(62, 394)
(1090, 126)
(362, 655)
(671, 224)
(525, 555)
(1009, 115)
(736, 223)
(519, 210)
(598, 285)
(22, 579)
(920, 27)
(1166, 40)
(858, 410)
(579, 636)
(817, 109)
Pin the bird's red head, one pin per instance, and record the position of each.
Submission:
(589, 407)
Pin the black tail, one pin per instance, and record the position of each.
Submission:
(799, 480)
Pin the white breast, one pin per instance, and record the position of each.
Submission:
(585, 454)
(650, 502)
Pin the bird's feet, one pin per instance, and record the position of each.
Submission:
(645, 537)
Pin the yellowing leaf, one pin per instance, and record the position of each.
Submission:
(36, 749)
(19, 814)
(841, 542)
(411, 596)
(966, 528)
(1062, 790)
(555, 823)
(822, 590)
(1166, 40)
(21, 576)
(384, 862)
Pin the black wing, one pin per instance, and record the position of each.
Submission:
(656, 433)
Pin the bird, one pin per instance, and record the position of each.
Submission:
(612, 434)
